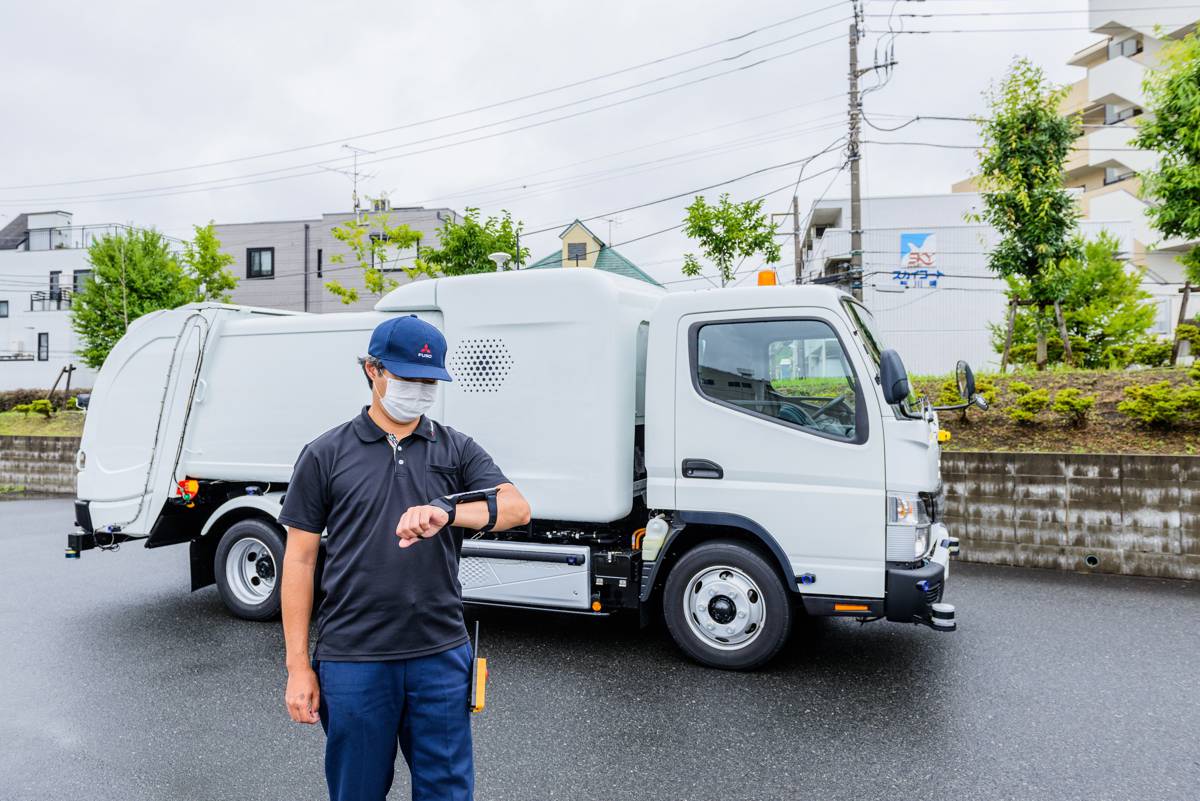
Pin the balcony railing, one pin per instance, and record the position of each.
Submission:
(72, 237)
(50, 300)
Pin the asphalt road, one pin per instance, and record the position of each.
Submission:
(117, 683)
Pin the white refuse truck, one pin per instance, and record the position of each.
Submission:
(732, 458)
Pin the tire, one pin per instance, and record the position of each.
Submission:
(726, 606)
(247, 566)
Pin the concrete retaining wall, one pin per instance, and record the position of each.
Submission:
(44, 465)
(1135, 515)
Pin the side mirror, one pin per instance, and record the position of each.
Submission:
(966, 380)
(893, 377)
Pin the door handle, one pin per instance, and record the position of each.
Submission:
(702, 468)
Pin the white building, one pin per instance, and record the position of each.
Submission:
(925, 274)
(43, 262)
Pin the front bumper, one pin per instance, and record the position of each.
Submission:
(914, 593)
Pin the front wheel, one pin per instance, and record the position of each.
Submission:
(247, 567)
(726, 607)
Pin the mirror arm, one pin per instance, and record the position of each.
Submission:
(976, 400)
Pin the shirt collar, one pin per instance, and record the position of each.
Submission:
(369, 431)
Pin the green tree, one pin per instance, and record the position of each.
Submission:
(204, 266)
(376, 247)
(1104, 308)
(726, 232)
(1026, 142)
(1172, 127)
(466, 245)
(133, 272)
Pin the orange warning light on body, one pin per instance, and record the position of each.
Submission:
(767, 278)
(851, 608)
(595, 606)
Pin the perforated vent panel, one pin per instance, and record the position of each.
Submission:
(480, 365)
(474, 572)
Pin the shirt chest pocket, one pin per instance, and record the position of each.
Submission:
(442, 479)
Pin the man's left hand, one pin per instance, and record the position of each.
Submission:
(420, 521)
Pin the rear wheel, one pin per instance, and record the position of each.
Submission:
(247, 566)
(726, 607)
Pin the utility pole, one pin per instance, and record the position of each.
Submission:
(853, 156)
(798, 256)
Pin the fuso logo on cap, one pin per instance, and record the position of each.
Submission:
(425, 352)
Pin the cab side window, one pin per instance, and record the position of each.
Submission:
(791, 371)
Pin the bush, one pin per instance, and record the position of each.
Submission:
(1160, 405)
(1027, 406)
(43, 407)
(1073, 406)
(1116, 357)
(1194, 373)
(12, 398)
(1019, 388)
(1151, 353)
(23, 408)
(1187, 332)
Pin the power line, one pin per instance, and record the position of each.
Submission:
(1026, 30)
(208, 185)
(444, 117)
(599, 176)
(1037, 12)
(751, 174)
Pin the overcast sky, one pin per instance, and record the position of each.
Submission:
(106, 90)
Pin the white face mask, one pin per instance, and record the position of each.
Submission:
(405, 401)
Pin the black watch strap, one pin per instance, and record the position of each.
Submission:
(447, 505)
(491, 507)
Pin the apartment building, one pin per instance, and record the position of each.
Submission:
(285, 264)
(43, 263)
(1111, 102)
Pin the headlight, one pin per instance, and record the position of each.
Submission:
(906, 510)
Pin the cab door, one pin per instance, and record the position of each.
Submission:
(773, 425)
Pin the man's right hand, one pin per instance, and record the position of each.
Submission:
(303, 695)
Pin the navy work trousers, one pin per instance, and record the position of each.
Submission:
(368, 707)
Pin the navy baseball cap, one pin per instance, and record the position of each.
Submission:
(410, 348)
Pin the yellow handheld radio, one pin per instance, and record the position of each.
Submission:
(479, 675)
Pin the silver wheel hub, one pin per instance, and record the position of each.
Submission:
(724, 608)
(250, 571)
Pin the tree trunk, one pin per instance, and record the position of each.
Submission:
(1041, 338)
(1068, 357)
(1012, 321)
(1187, 291)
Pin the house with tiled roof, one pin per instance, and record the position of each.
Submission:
(582, 248)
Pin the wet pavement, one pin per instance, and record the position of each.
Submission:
(117, 683)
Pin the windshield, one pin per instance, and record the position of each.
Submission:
(865, 324)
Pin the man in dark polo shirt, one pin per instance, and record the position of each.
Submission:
(392, 663)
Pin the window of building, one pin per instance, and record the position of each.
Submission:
(1125, 47)
(80, 279)
(260, 262)
(43, 354)
(1114, 114)
(320, 261)
(55, 284)
(1114, 174)
(3, 308)
(793, 372)
(577, 251)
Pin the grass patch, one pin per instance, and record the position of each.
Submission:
(11, 489)
(1106, 430)
(62, 424)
